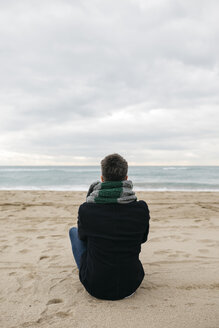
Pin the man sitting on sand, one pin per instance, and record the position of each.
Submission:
(112, 224)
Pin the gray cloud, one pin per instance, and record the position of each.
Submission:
(83, 78)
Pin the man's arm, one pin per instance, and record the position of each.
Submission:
(81, 232)
(145, 236)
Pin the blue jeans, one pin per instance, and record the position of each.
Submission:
(78, 246)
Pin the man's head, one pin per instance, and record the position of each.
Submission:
(114, 168)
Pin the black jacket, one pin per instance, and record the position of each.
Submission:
(110, 268)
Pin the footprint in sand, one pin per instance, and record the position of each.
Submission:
(24, 251)
(79, 289)
(205, 240)
(57, 236)
(152, 305)
(162, 252)
(54, 301)
(61, 314)
(203, 251)
(173, 255)
(26, 281)
(43, 257)
(21, 239)
(186, 255)
(2, 248)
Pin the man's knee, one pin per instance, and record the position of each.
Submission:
(73, 232)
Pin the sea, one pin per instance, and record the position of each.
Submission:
(144, 178)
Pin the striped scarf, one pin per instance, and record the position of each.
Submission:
(111, 192)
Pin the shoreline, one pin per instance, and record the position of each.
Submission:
(39, 280)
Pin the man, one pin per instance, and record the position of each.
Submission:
(112, 224)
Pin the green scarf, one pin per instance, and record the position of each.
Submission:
(111, 192)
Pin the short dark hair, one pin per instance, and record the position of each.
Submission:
(114, 168)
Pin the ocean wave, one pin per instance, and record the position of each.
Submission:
(175, 168)
(47, 188)
(176, 189)
(23, 170)
(59, 169)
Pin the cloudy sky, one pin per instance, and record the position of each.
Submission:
(82, 79)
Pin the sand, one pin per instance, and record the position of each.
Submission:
(39, 285)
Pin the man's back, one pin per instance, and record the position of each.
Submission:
(110, 268)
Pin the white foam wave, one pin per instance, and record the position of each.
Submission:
(174, 168)
(85, 188)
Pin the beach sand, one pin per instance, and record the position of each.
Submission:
(39, 285)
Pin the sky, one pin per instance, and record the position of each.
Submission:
(83, 79)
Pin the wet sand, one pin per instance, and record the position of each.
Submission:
(39, 285)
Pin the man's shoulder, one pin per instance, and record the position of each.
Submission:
(143, 204)
(84, 207)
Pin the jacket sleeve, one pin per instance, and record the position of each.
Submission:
(81, 231)
(145, 236)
